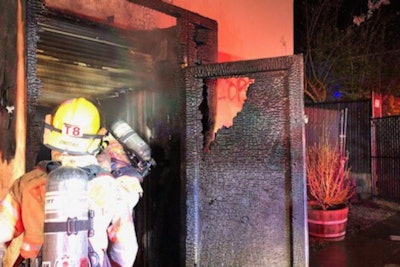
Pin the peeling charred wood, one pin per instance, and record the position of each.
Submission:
(8, 66)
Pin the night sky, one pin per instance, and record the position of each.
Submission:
(348, 9)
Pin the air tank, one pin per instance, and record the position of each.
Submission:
(66, 222)
(127, 136)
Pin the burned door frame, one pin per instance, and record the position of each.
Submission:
(196, 43)
(201, 213)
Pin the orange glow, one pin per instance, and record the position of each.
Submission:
(253, 30)
(16, 167)
(231, 94)
(20, 100)
(225, 57)
(248, 30)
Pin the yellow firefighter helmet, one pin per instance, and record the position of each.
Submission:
(74, 128)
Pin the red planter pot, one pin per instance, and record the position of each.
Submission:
(327, 224)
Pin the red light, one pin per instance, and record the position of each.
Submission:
(377, 103)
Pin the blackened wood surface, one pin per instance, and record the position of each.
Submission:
(245, 199)
(34, 12)
(8, 67)
(177, 12)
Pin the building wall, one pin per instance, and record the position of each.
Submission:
(248, 29)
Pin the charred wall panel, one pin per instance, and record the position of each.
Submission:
(34, 12)
(8, 67)
(8, 70)
(245, 199)
(77, 57)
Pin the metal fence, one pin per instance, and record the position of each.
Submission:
(358, 132)
(385, 158)
(373, 144)
(322, 122)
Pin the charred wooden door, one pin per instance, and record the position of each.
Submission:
(244, 200)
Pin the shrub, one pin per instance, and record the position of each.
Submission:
(328, 179)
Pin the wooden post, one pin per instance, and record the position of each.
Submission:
(21, 95)
(12, 164)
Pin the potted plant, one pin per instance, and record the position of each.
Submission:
(329, 190)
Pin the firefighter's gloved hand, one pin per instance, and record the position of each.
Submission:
(131, 190)
(115, 152)
(104, 161)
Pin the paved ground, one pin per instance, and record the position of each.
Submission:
(376, 246)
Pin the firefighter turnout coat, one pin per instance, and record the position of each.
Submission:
(111, 199)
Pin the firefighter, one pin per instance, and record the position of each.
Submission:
(75, 137)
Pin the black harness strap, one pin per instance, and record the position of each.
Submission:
(71, 226)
